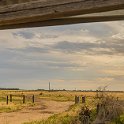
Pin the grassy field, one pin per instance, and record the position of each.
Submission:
(56, 107)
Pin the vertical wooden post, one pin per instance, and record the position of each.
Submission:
(23, 99)
(7, 100)
(77, 99)
(33, 98)
(83, 99)
(10, 97)
(98, 108)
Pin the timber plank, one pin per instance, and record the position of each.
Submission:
(47, 10)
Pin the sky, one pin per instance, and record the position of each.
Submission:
(81, 56)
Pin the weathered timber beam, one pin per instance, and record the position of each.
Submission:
(10, 2)
(43, 10)
(33, 4)
(64, 21)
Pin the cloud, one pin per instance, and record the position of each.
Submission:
(31, 49)
(83, 56)
(107, 47)
(114, 72)
(24, 34)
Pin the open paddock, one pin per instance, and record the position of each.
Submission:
(46, 104)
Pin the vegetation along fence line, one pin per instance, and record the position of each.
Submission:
(11, 96)
(77, 99)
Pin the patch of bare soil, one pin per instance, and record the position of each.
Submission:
(42, 110)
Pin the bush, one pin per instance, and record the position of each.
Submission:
(120, 119)
(41, 94)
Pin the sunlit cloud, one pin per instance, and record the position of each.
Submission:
(82, 56)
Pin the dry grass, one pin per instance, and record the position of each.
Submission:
(111, 106)
(58, 96)
(68, 117)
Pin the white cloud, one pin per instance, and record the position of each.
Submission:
(85, 56)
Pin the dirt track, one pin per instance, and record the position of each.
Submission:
(43, 110)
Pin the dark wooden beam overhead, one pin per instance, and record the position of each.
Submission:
(63, 21)
(12, 2)
(33, 13)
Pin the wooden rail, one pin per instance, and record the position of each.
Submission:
(54, 12)
(21, 96)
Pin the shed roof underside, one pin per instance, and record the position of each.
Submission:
(39, 13)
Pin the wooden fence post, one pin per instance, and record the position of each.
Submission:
(77, 99)
(83, 99)
(7, 100)
(33, 98)
(10, 97)
(23, 99)
(98, 108)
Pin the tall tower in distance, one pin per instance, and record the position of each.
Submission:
(49, 87)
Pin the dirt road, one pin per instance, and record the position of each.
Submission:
(42, 110)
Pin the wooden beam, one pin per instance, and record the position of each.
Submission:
(44, 10)
(10, 2)
(64, 21)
